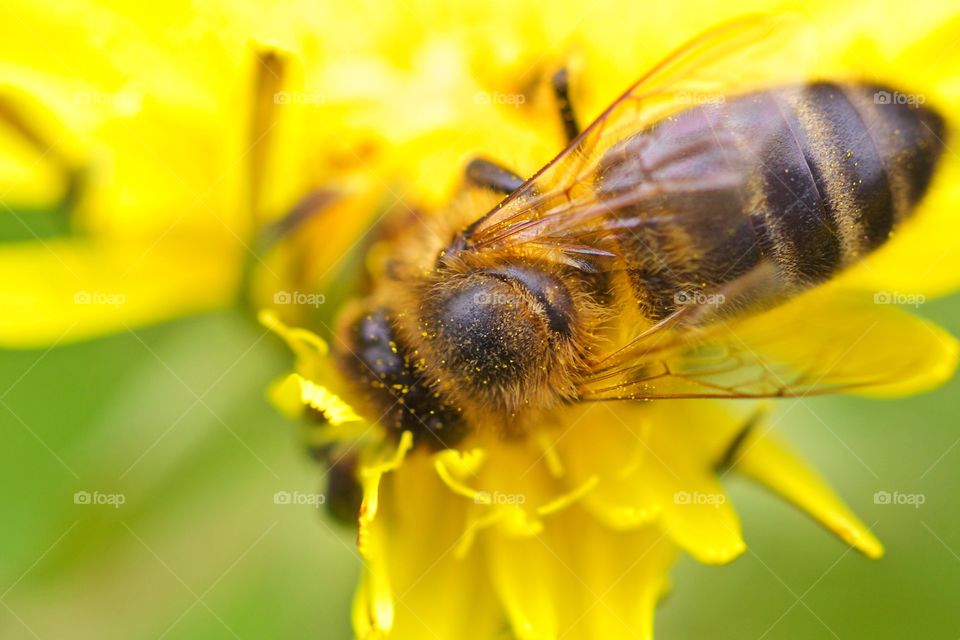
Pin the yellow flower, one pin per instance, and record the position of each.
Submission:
(177, 134)
(571, 531)
(160, 140)
(168, 136)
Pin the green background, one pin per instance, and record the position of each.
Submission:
(175, 418)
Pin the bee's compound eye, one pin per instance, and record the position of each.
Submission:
(548, 294)
(384, 370)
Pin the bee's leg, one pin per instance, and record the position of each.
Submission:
(26, 126)
(314, 202)
(561, 89)
(310, 205)
(731, 455)
(490, 175)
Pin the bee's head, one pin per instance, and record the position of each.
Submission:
(386, 371)
(500, 337)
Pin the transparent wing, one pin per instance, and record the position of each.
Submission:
(823, 342)
(559, 207)
(791, 344)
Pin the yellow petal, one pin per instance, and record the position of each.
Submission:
(771, 464)
(609, 441)
(695, 511)
(655, 461)
(157, 112)
(533, 606)
(861, 343)
(414, 585)
(72, 289)
(285, 395)
(589, 582)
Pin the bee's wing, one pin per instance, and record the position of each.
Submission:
(558, 207)
(826, 341)
(820, 342)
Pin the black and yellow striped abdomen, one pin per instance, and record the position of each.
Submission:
(806, 179)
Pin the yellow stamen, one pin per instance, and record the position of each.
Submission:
(547, 445)
(565, 500)
(303, 342)
(370, 476)
(450, 463)
(335, 410)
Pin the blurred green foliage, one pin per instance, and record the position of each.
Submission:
(175, 419)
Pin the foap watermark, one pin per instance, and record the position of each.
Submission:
(502, 299)
(497, 498)
(299, 298)
(99, 298)
(299, 498)
(699, 298)
(121, 103)
(699, 498)
(895, 97)
(914, 500)
(495, 97)
(299, 98)
(897, 297)
(696, 98)
(99, 498)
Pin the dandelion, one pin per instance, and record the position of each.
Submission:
(179, 150)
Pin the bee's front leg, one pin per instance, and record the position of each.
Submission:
(568, 117)
(490, 175)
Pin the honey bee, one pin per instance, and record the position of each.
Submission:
(630, 266)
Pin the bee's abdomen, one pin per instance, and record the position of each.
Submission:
(847, 167)
(807, 178)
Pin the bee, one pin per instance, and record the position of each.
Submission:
(632, 265)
